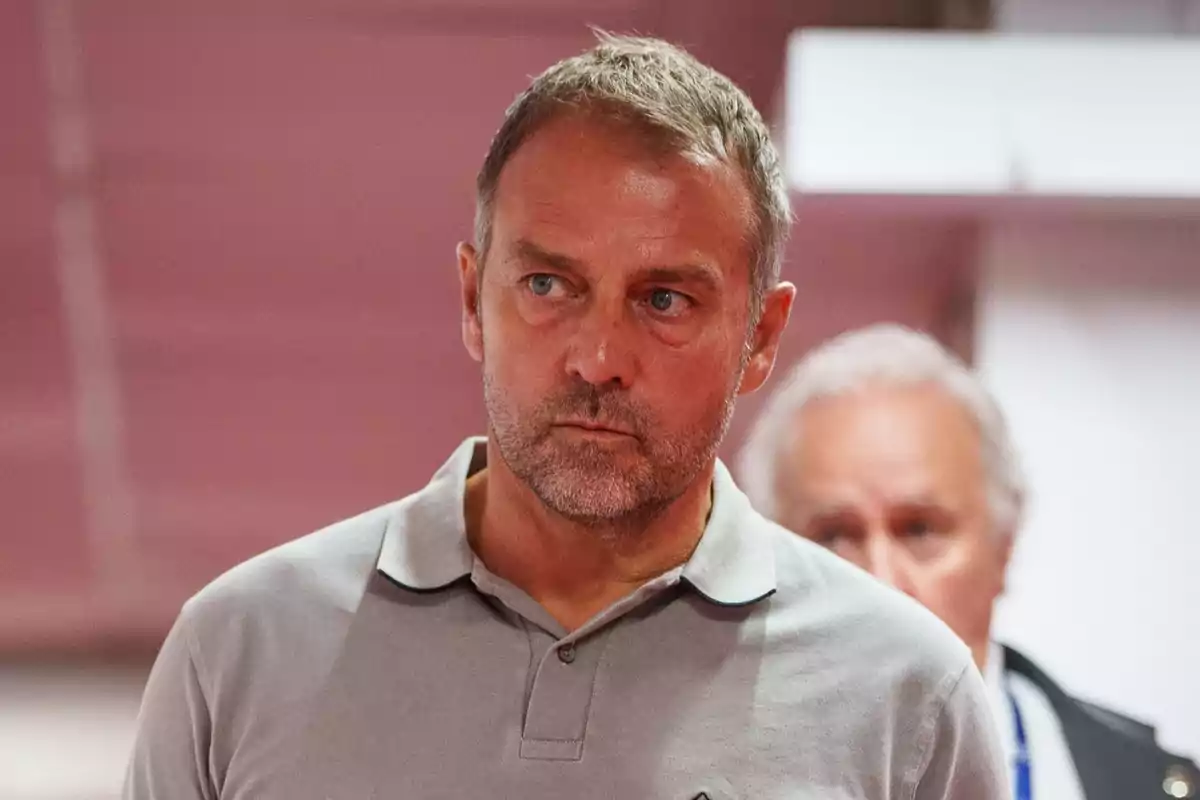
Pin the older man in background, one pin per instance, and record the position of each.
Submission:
(888, 450)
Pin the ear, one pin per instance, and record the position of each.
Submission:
(777, 309)
(468, 276)
(1004, 553)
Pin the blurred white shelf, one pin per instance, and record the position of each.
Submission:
(993, 119)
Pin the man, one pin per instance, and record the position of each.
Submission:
(886, 449)
(582, 604)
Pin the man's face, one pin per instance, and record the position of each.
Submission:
(612, 318)
(892, 479)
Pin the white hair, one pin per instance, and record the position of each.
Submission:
(889, 354)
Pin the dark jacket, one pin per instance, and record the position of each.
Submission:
(1116, 757)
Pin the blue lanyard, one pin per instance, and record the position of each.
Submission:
(1022, 783)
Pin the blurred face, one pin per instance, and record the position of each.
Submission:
(892, 479)
(612, 318)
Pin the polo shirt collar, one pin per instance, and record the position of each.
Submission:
(425, 545)
(734, 563)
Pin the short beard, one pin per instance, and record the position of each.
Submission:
(583, 484)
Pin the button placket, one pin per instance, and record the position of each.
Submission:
(561, 696)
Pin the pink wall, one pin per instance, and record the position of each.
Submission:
(854, 268)
(278, 190)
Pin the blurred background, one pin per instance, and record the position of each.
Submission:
(228, 310)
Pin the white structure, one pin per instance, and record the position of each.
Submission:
(1089, 332)
(993, 116)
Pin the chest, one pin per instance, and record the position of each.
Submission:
(643, 708)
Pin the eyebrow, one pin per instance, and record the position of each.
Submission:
(921, 502)
(924, 502)
(702, 274)
(528, 251)
(829, 513)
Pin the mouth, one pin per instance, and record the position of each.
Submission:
(593, 427)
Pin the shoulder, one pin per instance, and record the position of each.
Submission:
(318, 578)
(1124, 743)
(878, 641)
(1075, 712)
(865, 615)
(256, 643)
(896, 670)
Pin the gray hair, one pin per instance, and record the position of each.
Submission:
(684, 105)
(889, 354)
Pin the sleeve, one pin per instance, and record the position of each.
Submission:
(171, 745)
(964, 759)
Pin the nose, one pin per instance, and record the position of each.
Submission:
(886, 560)
(601, 350)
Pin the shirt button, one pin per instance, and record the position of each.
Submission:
(566, 653)
(1177, 783)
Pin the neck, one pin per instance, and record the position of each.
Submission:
(980, 653)
(575, 571)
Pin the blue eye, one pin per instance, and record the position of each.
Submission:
(541, 284)
(662, 299)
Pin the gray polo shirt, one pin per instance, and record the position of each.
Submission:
(379, 658)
